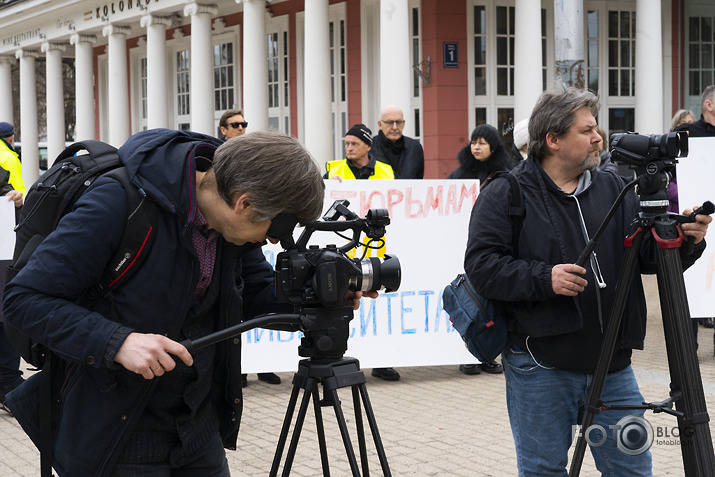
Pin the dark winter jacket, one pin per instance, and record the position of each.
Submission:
(471, 168)
(93, 420)
(552, 235)
(699, 128)
(405, 155)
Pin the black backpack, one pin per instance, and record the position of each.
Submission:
(53, 196)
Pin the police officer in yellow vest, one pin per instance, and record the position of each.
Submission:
(358, 163)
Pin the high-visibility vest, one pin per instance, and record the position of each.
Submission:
(342, 169)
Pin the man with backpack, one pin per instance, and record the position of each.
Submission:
(126, 395)
(557, 311)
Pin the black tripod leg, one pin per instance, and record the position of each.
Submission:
(321, 433)
(344, 431)
(375, 432)
(284, 430)
(360, 432)
(625, 278)
(695, 439)
(309, 385)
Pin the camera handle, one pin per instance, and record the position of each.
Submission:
(260, 321)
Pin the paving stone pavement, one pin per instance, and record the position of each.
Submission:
(435, 421)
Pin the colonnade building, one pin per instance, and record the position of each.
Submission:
(312, 68)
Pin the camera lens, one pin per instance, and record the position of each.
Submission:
(377, 274)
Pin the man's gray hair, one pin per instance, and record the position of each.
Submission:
(275, 171)
(708, 93)
(555, 112)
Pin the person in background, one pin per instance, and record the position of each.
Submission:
(604, 154)
(521, 141)
(360, 164)
(404, 154)
(13, 188)
(682, 116)
(232, 124)
(480, 159)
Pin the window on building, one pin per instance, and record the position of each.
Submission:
(701, 53)
(505, 51)
(621, 53)
(592, 66)
(417, 83)
(224, 90)
(278, 85)
(183, 81)
(338, 80)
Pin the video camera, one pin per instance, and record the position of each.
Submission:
(316, 281)
(653, 158)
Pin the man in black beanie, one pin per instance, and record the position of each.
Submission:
(358, 162)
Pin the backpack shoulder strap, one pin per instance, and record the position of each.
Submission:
(517, 209)
(139, 234)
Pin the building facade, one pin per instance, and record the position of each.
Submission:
(312, 68)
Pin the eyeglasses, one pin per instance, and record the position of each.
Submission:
(391, 123)
(235, 125)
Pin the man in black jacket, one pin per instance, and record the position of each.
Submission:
(705, 126)
(390, 146)
(558, 311)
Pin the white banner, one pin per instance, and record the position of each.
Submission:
(7, 224)
(696, 176)
(428, 233)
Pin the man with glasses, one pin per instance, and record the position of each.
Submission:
(390, 146)
(232, 124)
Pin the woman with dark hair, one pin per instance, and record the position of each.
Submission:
(482, 156)
(480, 159)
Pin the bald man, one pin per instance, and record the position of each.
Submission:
(390, 146)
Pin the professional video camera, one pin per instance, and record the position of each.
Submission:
(316, 280)
(653, 158)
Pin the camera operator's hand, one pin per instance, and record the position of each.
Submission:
(148, 354)
(698, 228)
(353, 298)
(565, 279)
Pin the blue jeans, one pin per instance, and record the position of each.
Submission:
(545, 404)
(208, 461)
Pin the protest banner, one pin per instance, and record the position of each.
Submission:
(7, 232)
(428, 233)
(696, 176)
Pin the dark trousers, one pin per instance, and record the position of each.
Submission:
(9, 359)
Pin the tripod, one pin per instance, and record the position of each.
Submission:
(326, 334)
(686, 382)
(332, 375)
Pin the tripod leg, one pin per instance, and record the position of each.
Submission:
(321, 433)
(695, 439)
(360, 432)
(375, 432)
(284, 430)
(309, 386)
(344, 432)
(625, 278)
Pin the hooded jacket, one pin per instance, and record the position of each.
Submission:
(471, 168)
(551, 235)
(97, 404)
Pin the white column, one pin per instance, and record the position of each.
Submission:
(202, 91)
(317, 81)
(527, 58)
(568, 41)
(28, 117)
(156, 75)
(84, 86)
(118, 86)
(395, 64)
(6, 96)
(255, 69)
(55, 100)
(649, 69)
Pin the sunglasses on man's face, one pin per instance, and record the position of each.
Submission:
(235, 125)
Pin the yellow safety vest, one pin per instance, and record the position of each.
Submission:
(10, 162)
(342, 169)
